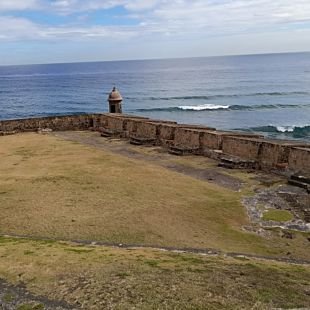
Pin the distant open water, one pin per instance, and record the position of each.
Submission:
(269, 94)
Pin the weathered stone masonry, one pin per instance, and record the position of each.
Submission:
(265, 153)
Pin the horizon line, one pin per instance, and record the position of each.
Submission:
(154, 59)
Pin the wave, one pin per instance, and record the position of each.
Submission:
(217, 107)
(291, 131)
(211, 97)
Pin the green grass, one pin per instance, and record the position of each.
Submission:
(277, 215)
(70, 191)
(31, 307)
(8, 298)
(146, 278)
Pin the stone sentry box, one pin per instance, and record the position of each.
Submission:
(115, 101)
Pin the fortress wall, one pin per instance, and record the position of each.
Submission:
(269, 153)
(56, 123)
(299, 160)
(187, 138)
(197, 127)
(147, 129)
(167, 131)
(119, 121)
(245, 148)
(100, 120)
(274, 153)
(131, 125)
(214, 139)
(116, 123)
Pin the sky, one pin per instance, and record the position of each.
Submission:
(53, 31)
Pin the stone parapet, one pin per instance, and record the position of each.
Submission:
(299, 160)
(187, 138)
(56, 123)
(276, 153)
(180, 138)
(246, 148)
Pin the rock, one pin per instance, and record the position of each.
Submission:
(44, 130)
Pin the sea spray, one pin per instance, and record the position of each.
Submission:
(218, 107)
(299, 132)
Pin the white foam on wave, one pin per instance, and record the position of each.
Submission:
(203, 107)
(286, 128)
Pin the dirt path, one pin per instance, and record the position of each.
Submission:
(198, 251)
(160, 159)
(14, 297)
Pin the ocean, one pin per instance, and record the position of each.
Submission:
(268, 93)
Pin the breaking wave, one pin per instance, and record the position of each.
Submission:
(218, 107)
(211, 97)
(290, 131)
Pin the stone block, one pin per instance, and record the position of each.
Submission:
(299, 160)
(276, 153)
(245, 148)
(187, 138)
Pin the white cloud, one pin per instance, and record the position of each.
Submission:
(12, 28)
(73, 6)
(141, 5)
(10, 5)
(21, 29)
(182, 18)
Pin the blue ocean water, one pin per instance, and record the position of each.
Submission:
(259, 93)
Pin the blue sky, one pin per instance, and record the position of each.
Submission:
(47, 31)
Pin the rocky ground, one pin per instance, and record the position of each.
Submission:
(292, 199)
(17, 297)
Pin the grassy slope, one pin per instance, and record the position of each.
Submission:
(109, 278)
(55, 188)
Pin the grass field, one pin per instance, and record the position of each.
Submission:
(109, 278)
(55, 188)
(52, 188)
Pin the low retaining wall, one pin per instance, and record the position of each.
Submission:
(56, 123)
(187, 138)
(245, 148)
(275, 153)
(214, 139)
(299, 159)
(147, 130)
(266, 153)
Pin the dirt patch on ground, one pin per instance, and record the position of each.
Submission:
(16, 297)
(122, 147)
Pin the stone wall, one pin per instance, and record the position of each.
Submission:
(99, 121)
(245, 148)
(299, 160)
(201, 139)
(147, 129)
(275, 153)
(187, 138)
(56, 123)
(167, 131)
